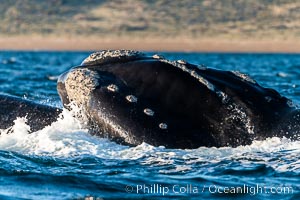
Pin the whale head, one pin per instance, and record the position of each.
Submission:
(133, 98)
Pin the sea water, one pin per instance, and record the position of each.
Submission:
(63, 161)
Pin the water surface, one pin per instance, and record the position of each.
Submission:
(63, 161)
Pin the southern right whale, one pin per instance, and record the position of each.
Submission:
(133, 98)
(38, 116)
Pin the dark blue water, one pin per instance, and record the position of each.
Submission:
(63, 161)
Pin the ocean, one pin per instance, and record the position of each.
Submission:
(63, 161)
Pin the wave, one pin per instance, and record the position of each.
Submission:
(67, 137)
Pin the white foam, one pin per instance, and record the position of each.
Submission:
(67, 137)
(64, 138)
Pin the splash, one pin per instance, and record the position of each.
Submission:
(68, 137)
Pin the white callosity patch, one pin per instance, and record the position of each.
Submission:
(156, 56)
(131, 98)
(163, 126)
(113, 88)
(148, 112)
(183, 62)
(108, 55)
(80, 83)
(244, 77)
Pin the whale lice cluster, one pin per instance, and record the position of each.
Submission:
(156, 56)
(163, 126)
(106, 56)
(148, 112)
(131, 98)
(183, 62)
(113, 88)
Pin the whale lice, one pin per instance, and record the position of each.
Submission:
(148, 112)
(183, 62)
(163, 126)
(156, 56)
(113, 88)
(131, 98)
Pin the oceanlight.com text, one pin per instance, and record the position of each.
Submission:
(163, 189)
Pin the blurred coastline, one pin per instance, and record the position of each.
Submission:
(147, 44)
(162, 25)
